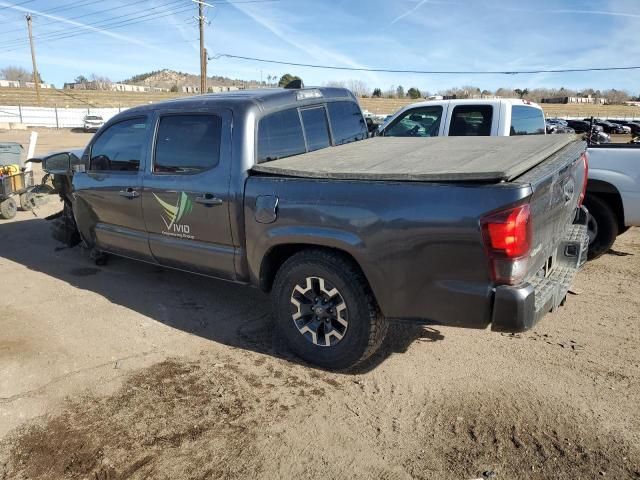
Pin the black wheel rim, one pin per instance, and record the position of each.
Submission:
(319, 312)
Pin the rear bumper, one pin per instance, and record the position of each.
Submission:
(519, 308)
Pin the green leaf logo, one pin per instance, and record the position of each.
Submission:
(174, 213)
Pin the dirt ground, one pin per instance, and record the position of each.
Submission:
(130, 371)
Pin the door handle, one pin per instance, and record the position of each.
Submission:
(209, 200)
(129, 193)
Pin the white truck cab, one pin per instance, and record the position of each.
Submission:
(469, 117)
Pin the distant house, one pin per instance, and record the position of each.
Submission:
(189, 89)
(10, 83)
(33, 85)
(588, 99)
(218, 89)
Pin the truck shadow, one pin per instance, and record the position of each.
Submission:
(237, 316)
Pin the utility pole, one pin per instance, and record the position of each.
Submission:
(36, 79)
(203, 52)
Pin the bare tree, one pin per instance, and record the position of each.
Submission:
(16, 74)
(100, 83)
(358, 87)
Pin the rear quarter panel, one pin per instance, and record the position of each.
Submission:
(418, 244)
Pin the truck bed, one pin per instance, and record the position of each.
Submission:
(438, 159)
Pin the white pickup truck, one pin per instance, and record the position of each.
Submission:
(613, 190)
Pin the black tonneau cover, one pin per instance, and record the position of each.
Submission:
(439, 159)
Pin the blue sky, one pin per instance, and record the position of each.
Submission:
(398, 34)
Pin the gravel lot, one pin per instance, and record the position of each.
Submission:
(132, 371)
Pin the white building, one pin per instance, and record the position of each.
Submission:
(10, 83)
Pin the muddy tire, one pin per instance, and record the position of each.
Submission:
(8, 208)
(325, 310)
(602, 226)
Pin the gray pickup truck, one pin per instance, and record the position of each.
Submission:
(282, 189)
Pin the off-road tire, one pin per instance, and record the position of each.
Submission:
(25, 203)
(366, 326)
(607, 225)
(8, 208)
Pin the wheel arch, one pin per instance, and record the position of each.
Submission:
(609, 194)
(275, 257)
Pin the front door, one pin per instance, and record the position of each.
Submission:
(185, 195)
(108, 203)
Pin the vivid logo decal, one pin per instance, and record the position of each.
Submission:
(174, 214)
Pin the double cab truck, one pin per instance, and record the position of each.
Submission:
(613, 189)
(281, 189)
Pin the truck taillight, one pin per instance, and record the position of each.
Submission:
(507, 237)
(585, 160)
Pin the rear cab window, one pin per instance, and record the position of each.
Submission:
(471, 121)
(305, 129)
(526, 121)
(280, 135)
(316, 129)
(347, 122)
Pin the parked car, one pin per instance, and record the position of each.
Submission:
(608, 127)
(580, 126)
(634, 127)
(558, 127)
(92, 122)
(258, 187)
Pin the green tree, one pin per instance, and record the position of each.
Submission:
(174, 88)
(414, 93)
(376, 93)
(81, 79)
(400, 91)
(286, 79)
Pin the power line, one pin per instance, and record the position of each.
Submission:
(427, 72)
(74, 4)
(90, 28)
(106, 22)
(16, 4)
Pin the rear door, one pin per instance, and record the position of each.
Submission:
(108, 202)
(471, 120)
(185, 196)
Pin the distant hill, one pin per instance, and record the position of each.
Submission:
(168, 78)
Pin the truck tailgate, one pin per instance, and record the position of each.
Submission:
(560, 243)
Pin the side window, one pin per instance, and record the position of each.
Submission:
(526, 121)
(120, 147)
(187, 143)
(280, 135)
(471, 120)
(316, 128)
(347, 123)
(417, 122)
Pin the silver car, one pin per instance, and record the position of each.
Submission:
(92, 122)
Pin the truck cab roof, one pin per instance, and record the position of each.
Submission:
(263, 99)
